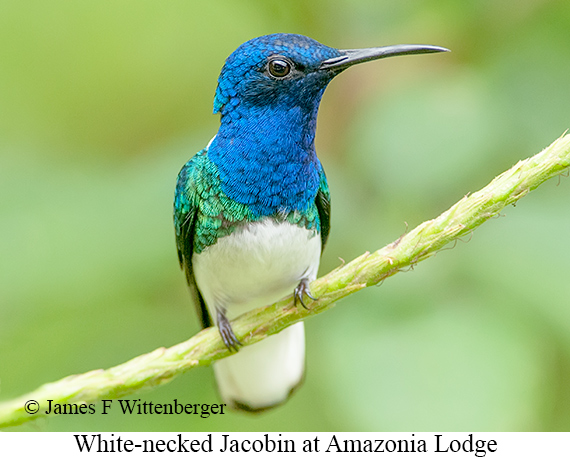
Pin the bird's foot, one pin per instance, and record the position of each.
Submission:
(226, 332)
(302, 289)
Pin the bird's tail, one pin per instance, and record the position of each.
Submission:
(265, 374)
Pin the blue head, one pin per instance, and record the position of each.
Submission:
(273, 71)
(268, 95)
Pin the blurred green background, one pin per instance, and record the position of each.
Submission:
(102, 102)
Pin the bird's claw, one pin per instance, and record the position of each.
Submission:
(226, 332)
(302, 289)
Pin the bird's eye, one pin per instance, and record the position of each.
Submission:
(279, 68)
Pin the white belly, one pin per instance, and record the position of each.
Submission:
(253, 267)
(256, 265)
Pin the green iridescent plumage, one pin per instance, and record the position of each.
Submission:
(199, 197)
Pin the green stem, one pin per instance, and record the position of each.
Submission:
(162, 365)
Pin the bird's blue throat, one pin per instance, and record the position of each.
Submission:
(266, 156)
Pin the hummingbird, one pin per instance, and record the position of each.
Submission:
(252, 209)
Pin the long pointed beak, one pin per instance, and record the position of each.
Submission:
(350, 57)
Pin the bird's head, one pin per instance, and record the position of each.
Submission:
(271, 70)
(290, 70)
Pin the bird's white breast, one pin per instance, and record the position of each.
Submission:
(256, 265)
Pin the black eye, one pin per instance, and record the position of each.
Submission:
(279, 68)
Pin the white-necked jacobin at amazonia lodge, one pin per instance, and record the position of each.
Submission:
(252, 209)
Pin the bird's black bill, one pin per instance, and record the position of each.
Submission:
(350, 57)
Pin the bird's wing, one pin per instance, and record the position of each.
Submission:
(323, 202)
(185, 211)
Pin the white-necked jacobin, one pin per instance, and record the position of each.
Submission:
(252, 209)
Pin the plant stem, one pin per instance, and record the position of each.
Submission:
(162, 365)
